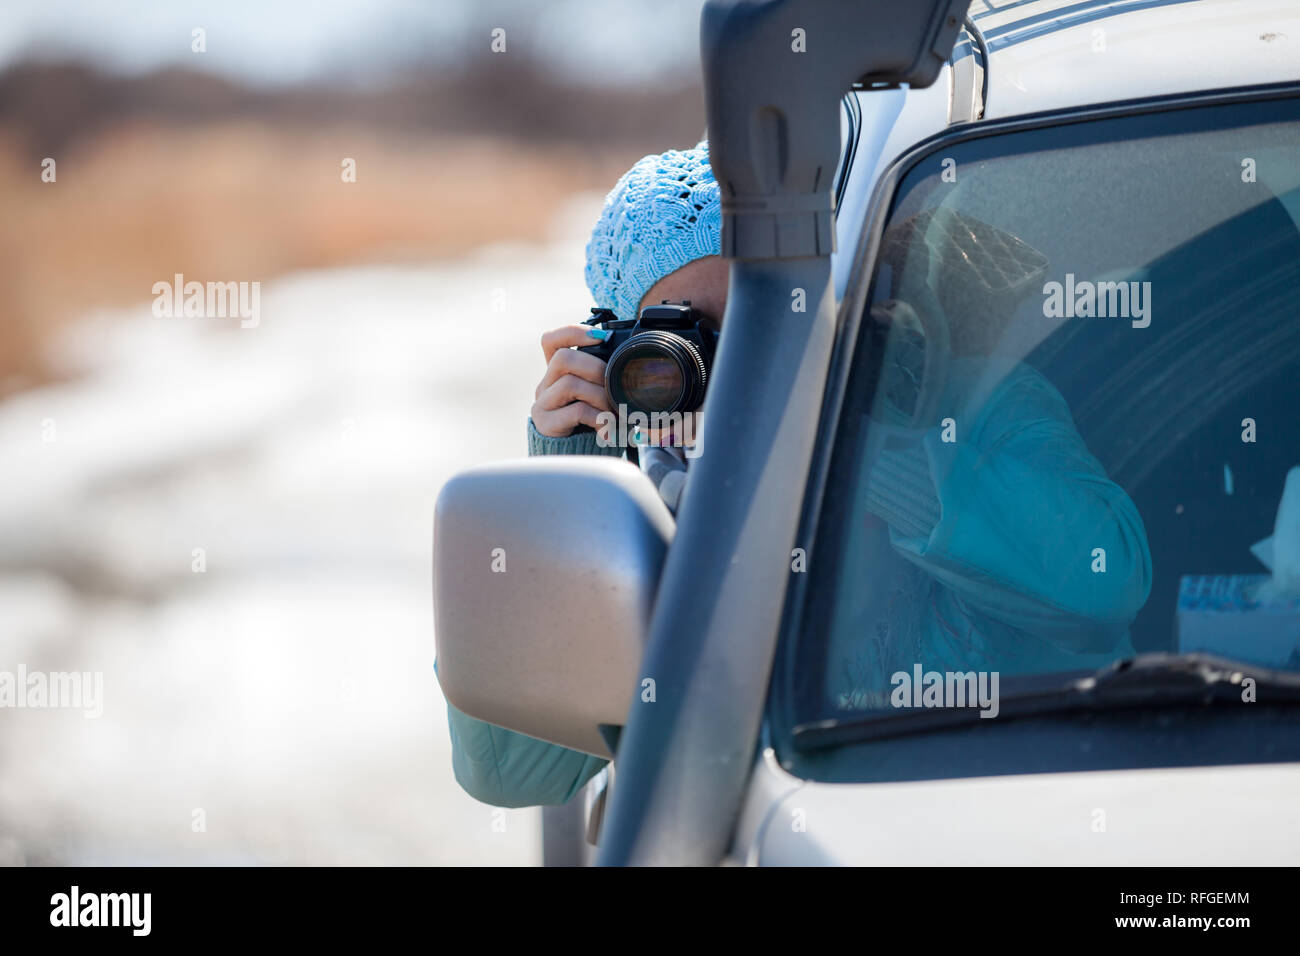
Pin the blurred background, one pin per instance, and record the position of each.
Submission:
(232, 524)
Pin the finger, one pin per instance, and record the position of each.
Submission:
(568, 336)
(559, 422)
(570, 362)
(580, 413)
(570, 388)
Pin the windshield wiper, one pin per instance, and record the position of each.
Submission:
(1147, 680)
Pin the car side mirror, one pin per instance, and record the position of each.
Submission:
(544, 576)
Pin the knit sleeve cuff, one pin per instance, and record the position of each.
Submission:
(581, 443)
(900, 489)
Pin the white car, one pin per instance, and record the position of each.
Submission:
(1065, 291)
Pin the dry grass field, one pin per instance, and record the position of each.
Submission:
(179, 171)
(245, 202)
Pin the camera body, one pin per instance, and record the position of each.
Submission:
(658, 363)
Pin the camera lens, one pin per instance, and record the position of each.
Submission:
(651, 380)
(656, 372)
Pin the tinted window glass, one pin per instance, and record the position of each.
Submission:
(1073, 410)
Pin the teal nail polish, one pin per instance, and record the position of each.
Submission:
(636, 435)
(601, 334)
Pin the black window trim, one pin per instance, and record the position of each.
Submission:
(779, 712)
(853, 114)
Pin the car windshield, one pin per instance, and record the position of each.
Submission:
(1072, 409)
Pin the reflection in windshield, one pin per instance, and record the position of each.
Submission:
(1070, 419)
(986, 533)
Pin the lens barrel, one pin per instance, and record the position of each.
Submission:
(656, 371)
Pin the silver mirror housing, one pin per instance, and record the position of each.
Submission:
(544, 576)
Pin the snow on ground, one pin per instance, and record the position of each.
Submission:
(285, 695)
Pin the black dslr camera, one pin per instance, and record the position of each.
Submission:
(658, 363)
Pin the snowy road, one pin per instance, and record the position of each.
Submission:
(283, 697)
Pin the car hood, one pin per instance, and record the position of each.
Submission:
(1239, 815)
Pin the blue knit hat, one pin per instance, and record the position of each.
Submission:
(665, 212)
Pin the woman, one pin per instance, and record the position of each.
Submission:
(952, 550)
(658, 238)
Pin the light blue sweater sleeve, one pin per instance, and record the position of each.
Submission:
(1014, 516)
(509, 769)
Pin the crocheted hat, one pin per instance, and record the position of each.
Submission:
(663, 213)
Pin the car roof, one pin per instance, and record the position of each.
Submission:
(1054, 54)
(1042, 57)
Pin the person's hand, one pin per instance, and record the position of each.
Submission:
(572, 392)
